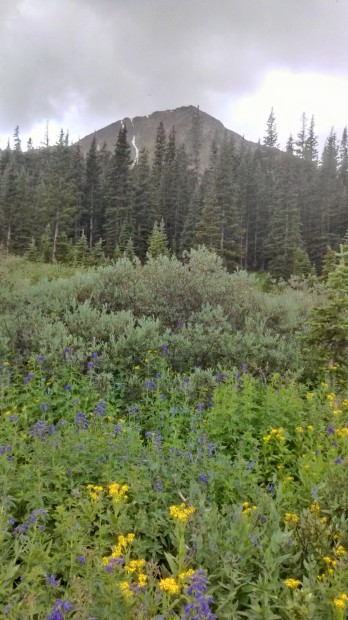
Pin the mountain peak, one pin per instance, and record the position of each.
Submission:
(142, 131)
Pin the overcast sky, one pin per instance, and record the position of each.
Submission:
(83, 64)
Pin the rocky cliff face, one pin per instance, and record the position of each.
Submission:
(142, 132)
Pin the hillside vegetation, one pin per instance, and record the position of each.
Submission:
(174, 442)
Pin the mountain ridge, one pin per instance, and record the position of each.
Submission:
(142, 131)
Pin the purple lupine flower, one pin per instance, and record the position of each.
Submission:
(95, 356)
(40, 358)
(314, 492)
(158, 486)
(149, 385)
(28, 378)
(203, 478)
(179, 323)
(81, 559)
(100, 409)
(330, 430)
(251, 466)
(81, 421)
(59, 608)
(44, 407)
(134, 411)
(338, 460)
(90, 365)
(164, 348)
(67, 388)
(199, 606)
(67, 350)
(52, 579)
(39, 429)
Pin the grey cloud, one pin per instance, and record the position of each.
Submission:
(113, 58)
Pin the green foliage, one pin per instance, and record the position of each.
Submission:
(328, 327)
(254, 461)
(158, 244)
(154, 435)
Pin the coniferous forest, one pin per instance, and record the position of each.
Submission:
(259, 208)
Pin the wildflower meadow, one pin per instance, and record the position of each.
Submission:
(168, 463)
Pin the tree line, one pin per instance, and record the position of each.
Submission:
(256, 206)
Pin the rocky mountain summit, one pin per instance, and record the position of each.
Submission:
(142, 132)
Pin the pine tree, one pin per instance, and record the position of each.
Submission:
(45, 245)
(196, 138)
(327, 339)
(158, 244)
(209, 227)
(92, 194)
(329, 263)
(32, 253)
(82, 251)
(118, 209)
(97, 256)
(290, 148)
(284, 237)
(271, 137)
(58, 193)
(302, 138)
(144, 214)
(311, 144)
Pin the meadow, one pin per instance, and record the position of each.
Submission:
(167, 449)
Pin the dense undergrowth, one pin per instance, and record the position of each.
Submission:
(159, 455)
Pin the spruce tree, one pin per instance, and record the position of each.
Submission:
(92, 194)
(158, 244)
(327, 338)
(271, 137)
(118, 209)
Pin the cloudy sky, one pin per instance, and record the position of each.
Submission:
(82, 64)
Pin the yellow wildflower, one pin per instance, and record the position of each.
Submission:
(330, 571)
(292, 583)
(126, 589)
(169, 585)
(122, 543)
(299, 429)
(336, 411)
(321, 577)
(342, 432)
(7, 412)
(324, 384)
(340, 602)
(330, 561)
(323, 520)
(247, 508)
(276, 434)
(142, 579)
(95, 491)
(309, 427)
(331, 396)
(6, 363)
(117, 491)
(314, 507)
(341, 551)
(290, 478)
(135, 566)
(181, 512)
(186, 574)
(292, 518)
(310, 395)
